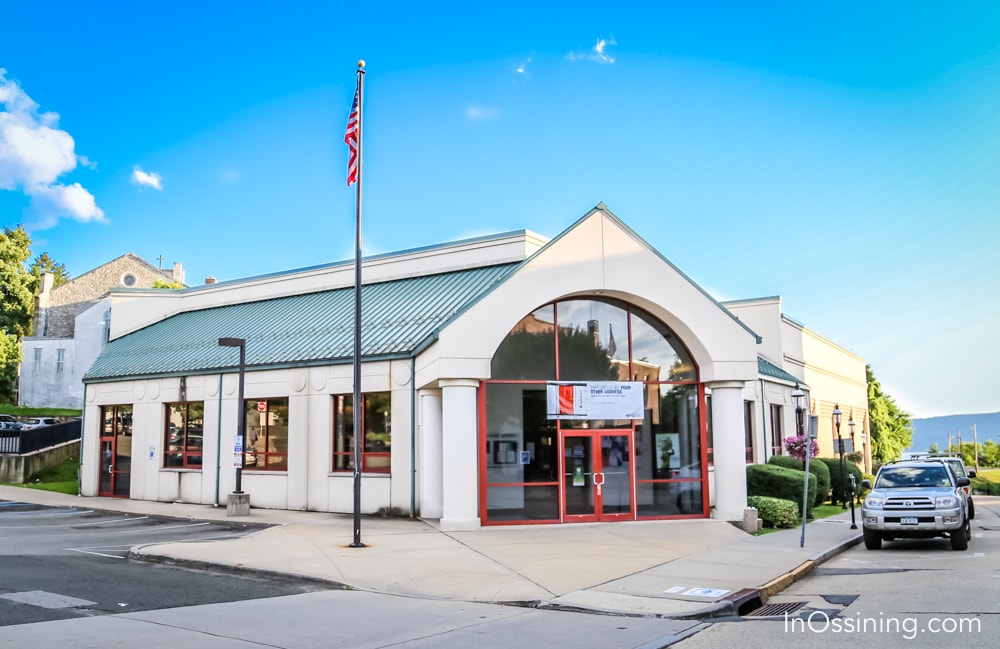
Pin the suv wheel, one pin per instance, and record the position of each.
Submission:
(960, 537)
(873, 540)
(972, 509)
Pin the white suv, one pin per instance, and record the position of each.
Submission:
(916, 499)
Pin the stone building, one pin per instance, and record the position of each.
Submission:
(71, 325)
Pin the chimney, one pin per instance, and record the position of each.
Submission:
(45, 280)
(210, 280)
(178, 273)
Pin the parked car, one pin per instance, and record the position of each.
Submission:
(916, 499)
(957, 466)
(9, 423)
(39, 422)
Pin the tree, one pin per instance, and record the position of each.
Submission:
(45, 263)
(891, 428)
(162, 283)
(16, 305)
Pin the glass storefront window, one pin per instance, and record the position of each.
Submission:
(591, 340)
(376, 447)
(534, 503)
(266, 434)
(657, 356)
(184, 436)
(529, 350)
(589, 349)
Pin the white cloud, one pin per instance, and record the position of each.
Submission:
(479, 113)
(34, 153)
(521, 69)
(143, 179)
(54, 201)
(599, 53)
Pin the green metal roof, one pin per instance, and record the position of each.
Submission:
(766, 368)
(399, 318)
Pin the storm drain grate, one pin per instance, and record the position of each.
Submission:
(776, 609)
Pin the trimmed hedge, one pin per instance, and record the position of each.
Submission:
(779, 482)
(833, 464)
(775, 512)
(819, 469)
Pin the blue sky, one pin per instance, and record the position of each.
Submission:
(843, 155)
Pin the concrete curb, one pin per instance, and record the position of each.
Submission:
(244, 571)
(779, 584)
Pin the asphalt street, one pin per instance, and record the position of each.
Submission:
(61, 563)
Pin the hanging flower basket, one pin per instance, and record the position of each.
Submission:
(796, 447)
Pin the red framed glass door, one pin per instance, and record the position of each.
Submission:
(597, 476)
(116, 452)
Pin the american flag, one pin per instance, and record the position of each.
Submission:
(612, 347)
(351, 138)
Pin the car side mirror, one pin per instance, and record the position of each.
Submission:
(972, 473)
(964, 482)
(866, 484)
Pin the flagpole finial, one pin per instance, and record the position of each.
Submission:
(361, 64)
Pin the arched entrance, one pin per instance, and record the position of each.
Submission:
(535, 469)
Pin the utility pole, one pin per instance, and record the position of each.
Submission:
(975, 444)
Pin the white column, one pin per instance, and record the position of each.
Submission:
(459, 435)
(431, 454)
(729, 450)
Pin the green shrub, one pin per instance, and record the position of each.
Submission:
(779, 482)
(775, 512)
(819, 469)
(833, 464)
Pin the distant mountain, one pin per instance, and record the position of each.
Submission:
(936, 430)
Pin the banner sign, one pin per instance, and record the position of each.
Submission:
(594, 400)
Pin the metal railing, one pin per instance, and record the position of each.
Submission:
(19, 442)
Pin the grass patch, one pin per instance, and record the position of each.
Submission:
(60, 478)
(987, 481)
(991, 475)
(25, 411)
(70, 488)
(62, 472)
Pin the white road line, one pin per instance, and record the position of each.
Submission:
(100, 554)
(169, 527)
(113, 520)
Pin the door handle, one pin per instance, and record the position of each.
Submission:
(598, 482)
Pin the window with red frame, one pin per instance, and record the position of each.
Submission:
(266, 446)
(376, 426)
(776, 430)
(184, 435)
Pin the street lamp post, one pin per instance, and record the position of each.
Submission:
(854, 487)
(840, 449)
(798, 394)
(239, 503)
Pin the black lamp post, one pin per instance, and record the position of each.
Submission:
(854, 487)
(798, 394)
(242, 418)
(840, 449)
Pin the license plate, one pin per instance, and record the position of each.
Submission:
(908, 520)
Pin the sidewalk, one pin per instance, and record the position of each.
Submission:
(679, 569)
